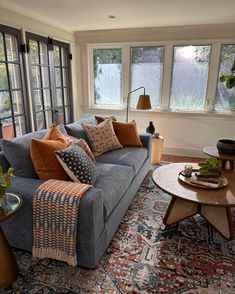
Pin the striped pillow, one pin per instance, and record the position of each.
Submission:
(102, 137)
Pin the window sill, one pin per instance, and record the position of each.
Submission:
(157, 112)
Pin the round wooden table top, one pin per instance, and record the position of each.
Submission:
(166, 178)
(213, 151)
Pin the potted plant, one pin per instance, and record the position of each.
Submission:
(209, 166)
(5, 181)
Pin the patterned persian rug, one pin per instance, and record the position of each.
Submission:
(143, 257)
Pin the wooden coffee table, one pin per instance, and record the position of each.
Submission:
(213, 204)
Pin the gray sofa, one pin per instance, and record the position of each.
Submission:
(119, 175)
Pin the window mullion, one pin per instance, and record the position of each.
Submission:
(126, 71)
(52, 84)
(41, 81)
(213, 76)
(166, 78)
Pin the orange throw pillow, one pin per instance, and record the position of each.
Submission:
(127, 134)
(44, 160)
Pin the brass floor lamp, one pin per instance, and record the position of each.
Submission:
(143, 101)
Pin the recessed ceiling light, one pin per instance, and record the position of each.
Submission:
(111, 16)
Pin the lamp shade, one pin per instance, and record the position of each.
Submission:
(144, 102)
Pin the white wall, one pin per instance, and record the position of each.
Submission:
(185, 133)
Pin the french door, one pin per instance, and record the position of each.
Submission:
(49, 67)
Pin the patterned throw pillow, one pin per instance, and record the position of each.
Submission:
(102, 137)
(77, 164)
(82, 143)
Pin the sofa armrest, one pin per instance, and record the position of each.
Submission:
(146, 140)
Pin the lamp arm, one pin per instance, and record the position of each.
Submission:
(128, 96)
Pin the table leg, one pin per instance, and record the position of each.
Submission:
(220, 218)
(8, 266)
(178, 210)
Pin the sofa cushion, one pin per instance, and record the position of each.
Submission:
(17, 154)
(114, 180)
(127, 134)
(129, 156)
(101, 137)
(76, 130)
(42, 153)
(100, 119)
(77, 164)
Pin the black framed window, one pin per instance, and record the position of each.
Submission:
(14, 120)
(49, 67)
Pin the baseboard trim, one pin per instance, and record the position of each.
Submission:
(184, 152)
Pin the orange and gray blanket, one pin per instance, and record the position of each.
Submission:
(55, 217)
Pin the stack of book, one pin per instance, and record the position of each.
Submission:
(206, 179)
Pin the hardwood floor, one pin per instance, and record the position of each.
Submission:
(177, 158)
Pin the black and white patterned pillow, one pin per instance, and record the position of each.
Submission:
(77, 164)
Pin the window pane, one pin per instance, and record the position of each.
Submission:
(56, 51)
(3, 77)
(65, 77)
(5, 104)
(7, 128)
(17, 98)
(12, 48)
(47, 98)
(189, 78)
(225, 98)
(45, 76)
(64, 56)
(37, 94)
(48, 118)
(43, 53)
(36, 77)
(61, 116)
(59, 97)
(20, 125)
(146, 71)
(57, 77)
(66, 97)
(34, 51)
(2, 54)
(107, 76)
(14, 74)
(40, 121)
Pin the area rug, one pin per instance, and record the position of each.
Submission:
(143, 257)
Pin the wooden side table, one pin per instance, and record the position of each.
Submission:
(157, 148)
(8, 265)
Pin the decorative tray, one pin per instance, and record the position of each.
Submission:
(186, 179)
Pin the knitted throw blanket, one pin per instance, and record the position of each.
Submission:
(55, 216)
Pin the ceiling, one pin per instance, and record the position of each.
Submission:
(82, 15)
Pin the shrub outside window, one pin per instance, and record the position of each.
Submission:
(146, 70)
(107, 71)
(225, 98)
(189, 77)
